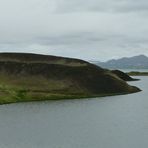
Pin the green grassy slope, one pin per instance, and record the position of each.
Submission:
(26, 79)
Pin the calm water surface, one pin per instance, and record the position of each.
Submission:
(110, 122)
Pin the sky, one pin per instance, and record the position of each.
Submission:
(87, 29)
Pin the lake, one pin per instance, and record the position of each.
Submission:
(107, 122)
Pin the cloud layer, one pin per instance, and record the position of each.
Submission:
(88, 29)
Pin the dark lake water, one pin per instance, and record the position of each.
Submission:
(109, 122)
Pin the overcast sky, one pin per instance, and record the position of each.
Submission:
(87, 29)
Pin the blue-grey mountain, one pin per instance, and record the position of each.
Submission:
(136, 62)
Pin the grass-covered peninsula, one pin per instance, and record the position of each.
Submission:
(33, 77)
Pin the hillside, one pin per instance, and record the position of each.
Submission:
(38, 58)
(123, 76)
(31, 77)
(136, 62)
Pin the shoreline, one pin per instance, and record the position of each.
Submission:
(60, 97)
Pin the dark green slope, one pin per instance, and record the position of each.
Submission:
(23, 78)
(38, 58)
(123, 76)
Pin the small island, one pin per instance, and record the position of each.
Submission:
(137, 73)
(33, 77)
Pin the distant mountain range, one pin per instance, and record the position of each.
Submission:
(136, 62)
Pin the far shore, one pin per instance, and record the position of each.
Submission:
(137, 73)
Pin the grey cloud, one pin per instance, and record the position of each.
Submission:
(102, 5)
(90, 29)
(71, 39)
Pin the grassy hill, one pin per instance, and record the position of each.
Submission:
(123, 76)
(33, 77)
